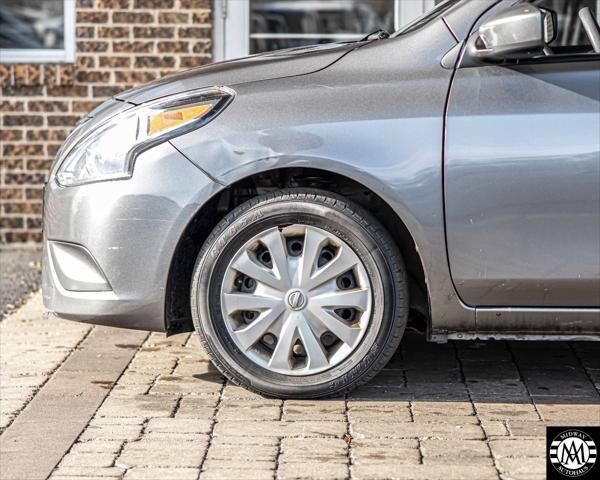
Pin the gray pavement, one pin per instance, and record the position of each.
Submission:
(82, 402)
(19, 275)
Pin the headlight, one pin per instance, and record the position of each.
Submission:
(109, 151)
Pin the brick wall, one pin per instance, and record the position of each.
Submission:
(120, 43)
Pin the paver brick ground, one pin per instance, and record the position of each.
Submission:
(468, 410)
(32, 347)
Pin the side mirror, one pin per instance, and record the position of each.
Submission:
(522, 29)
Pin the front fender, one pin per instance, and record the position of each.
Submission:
(378, 125)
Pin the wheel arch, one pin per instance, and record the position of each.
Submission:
(177, 295)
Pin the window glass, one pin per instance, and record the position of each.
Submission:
(570, 34)
(32, 24)
(276, 24)
(440, 7)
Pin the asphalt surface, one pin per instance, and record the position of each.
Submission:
(20, 274)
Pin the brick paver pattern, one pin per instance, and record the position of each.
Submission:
(474, 410)
(32, 347)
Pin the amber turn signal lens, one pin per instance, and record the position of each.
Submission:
(173, 118)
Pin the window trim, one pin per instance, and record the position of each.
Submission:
(47, 55)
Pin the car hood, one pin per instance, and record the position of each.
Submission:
(277, 64)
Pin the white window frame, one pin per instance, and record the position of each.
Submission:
(231, 29)
(48, 55)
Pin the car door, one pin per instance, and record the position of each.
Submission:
(522, 176)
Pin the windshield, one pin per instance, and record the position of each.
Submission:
(435, 12)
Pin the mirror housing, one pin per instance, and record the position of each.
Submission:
(521, 29)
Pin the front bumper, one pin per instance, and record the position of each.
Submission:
(125, 231)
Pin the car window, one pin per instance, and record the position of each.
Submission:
(571, 37)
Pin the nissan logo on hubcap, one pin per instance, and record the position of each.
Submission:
(296, 300)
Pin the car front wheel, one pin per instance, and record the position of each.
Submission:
(299, 294)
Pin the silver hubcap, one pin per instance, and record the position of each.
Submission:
(296, 300)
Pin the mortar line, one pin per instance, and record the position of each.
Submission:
(211, 430)
(522, 378)
(349, 454)
(127, 442)
(279, 442)
(473, 406)
(279, 453)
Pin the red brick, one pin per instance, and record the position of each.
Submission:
(113, 32)
(132, 17)
(84, 32)
(203, 47)
(52, 150)
(173, 17)
(34, 74)
(92, 17)
(47, 135)
(154, 62)
(22, 237)
(106, 91)
(51, 75)
(154, 3)
(194, 32)
(195, 61)
(22, 207)
(153, 32)
(67, 74)
(202, 17)
(7, 193)
(114, 62)
(11, 106)
(195, 4)
(89, 46)
(34, 223)
(92, 76)
(85, 62)
(11, 222)
(7, 135)
(114, 4)
(134, 76)
(173, 47)
(63, 120)
(22, 91)
(34, 193)
(38, 164)
(19, 150)
(135, 47)
(22, 120)
(12, 164)
(5, 75)
(24, 178)
(47, 106)
(67, 91)
(85, 106)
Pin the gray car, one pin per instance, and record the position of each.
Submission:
(295, 208)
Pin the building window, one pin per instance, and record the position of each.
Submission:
(276, 24)
(245, 27)
(34, 31)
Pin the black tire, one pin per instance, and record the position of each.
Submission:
(333, 213)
